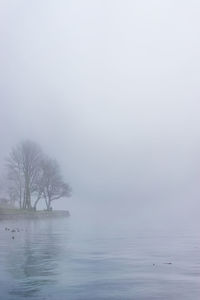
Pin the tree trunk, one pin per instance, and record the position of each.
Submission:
(46, 200)
(35, 204)
(27, 193)
(24, 200)
(48, 205)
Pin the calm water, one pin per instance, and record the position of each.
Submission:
(63, 259)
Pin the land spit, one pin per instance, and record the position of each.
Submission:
(10, 213)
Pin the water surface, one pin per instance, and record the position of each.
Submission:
(63, 259)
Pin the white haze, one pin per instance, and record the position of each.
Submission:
(111, 89)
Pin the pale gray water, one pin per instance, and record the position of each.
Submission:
(65, 259)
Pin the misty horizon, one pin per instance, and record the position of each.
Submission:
(110, 91)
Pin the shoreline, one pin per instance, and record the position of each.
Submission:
(10, 214)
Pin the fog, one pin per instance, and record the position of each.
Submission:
(111, 90)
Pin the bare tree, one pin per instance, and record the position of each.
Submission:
(52, 183)
(38, 190)
(24, 163)
(9, 193)
(32, 176)
(15, 183)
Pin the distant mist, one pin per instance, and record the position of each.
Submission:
(110, 89)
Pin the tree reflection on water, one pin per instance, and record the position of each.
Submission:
(33, 260)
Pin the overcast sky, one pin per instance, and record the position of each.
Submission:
(111, 89)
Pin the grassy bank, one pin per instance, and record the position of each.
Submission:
(14, 213)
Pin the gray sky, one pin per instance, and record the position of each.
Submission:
(111, 89)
